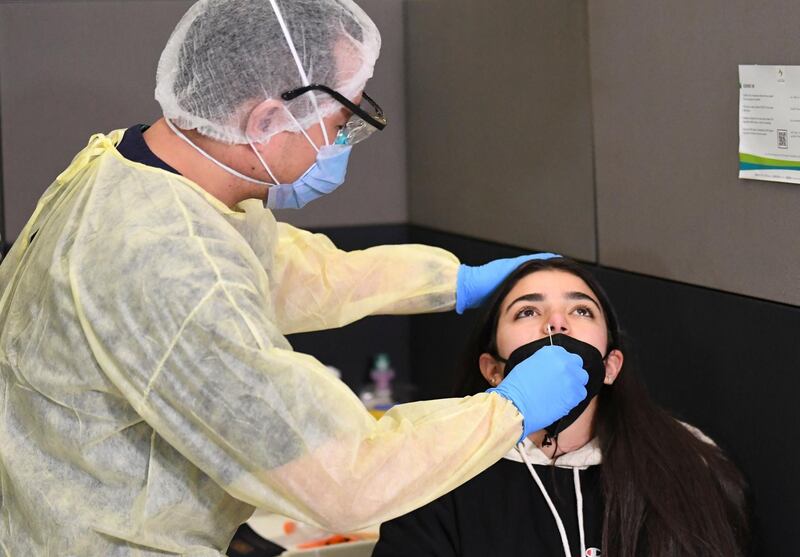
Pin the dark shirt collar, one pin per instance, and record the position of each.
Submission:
(134, 148)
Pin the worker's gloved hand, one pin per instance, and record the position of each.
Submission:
(476, 283)
(545, 387)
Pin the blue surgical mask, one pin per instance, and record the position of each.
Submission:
(325, 175)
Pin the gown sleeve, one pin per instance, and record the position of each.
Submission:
(318, 286)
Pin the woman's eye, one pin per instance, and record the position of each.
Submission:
(527, 312)
(583, 311)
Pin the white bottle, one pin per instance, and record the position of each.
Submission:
(378, 396)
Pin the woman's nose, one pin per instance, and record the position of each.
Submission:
(556, 324)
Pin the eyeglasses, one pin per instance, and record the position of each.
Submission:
(366, 119)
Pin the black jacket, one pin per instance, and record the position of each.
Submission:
(501, 512)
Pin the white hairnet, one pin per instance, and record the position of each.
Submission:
(227, 56)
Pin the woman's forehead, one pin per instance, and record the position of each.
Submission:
(550, 283)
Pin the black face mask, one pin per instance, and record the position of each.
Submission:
(592, 363)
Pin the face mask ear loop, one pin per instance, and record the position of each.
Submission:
(299, 127)
(264, 164)
(224, 167)
(299, 65)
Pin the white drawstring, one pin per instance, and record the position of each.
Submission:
(559, 523)
(579, 496)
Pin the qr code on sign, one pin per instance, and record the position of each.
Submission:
(783, 139)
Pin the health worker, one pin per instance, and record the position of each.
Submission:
(150, 399)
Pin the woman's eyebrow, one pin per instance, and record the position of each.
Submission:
(581, 296)
(535, 297)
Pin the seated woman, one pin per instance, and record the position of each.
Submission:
(617, 477)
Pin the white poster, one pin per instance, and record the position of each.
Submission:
(769, 123)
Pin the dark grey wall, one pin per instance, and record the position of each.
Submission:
(665, 95)
(500, 136)
(71, 69)
(2, 210)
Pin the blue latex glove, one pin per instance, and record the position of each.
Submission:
(475, 284)
(545, 387)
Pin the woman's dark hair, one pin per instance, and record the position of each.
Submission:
(667, 493)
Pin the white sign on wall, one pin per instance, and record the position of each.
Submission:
(769, 123)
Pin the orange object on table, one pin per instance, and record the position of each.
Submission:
(289, 527)
(330, 540)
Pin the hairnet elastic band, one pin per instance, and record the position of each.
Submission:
(299, 64)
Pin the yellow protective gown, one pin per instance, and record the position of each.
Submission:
(150, 399)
